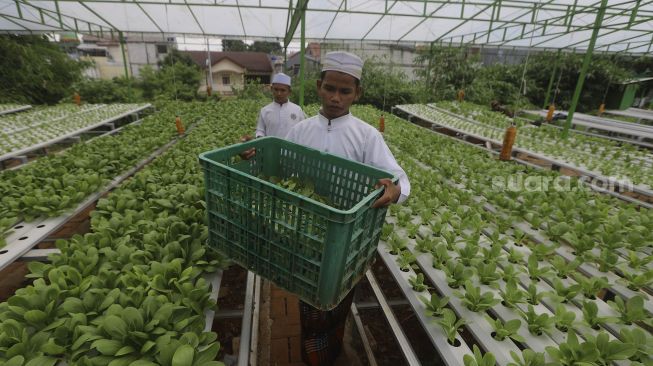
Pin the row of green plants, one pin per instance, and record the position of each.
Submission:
(453, 221)
(55, 128)
(466, 263)
(597, 146)
(570, 212)
(38, 115)
(133, 290)
(53, 184)
(4, 107)
(623, 163)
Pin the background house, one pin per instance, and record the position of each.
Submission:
(231, 70)
(106, 56)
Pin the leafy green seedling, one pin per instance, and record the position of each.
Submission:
(591, 315)
(512, 295)
(487, 273)
(440, 256)
(537, 323)
(476, 301)
(564, 320)
(611, 351)
(528, 358)
(562, 267)
(406, 261)
(450, 324)
(435, 305)
(478, 359)
(457, 274)
(630, 311)
(642, 341)
(534, 269)
(573, 353)
(505, 330)
(417, 282)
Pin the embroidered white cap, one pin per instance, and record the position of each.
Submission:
(344, 62)
(281, 78)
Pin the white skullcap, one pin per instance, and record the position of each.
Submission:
(344, 62)
(281, 78)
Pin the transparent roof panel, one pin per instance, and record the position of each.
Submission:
(627, 24)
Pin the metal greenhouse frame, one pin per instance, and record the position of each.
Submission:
(579, 25)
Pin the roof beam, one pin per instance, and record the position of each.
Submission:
(387, 10)
(149, 17)
(342, 2)
(240, 15)
(626, 40)
(560, 34)
(294, 21)
(598, 36)
(487, 6)
(58, 17)
(198, 23)
(513, 23)
(423, 20)
(96, 14)
(6, 17)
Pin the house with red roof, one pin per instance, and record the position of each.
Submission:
(232, 70)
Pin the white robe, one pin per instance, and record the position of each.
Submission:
(277, 119)
(351, 138)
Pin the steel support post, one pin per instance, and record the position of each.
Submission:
(553, 73)
(124, 61)
(302, 62)
(583, 70)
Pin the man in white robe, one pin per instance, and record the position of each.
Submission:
(335, 130)
(278, 117)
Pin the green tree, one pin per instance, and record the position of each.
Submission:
(445, 70)
(179, 81)
(267, 47)
(233, 45)
(385, 87)
(34, 70)
(176, 56)
(116, 90)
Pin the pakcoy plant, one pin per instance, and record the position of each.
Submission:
(563, 319)
(417, 283)
(478, 359)
(538, 324)
(503, 330)
(631, 310)
(434, 305)
(476, 301)
(450, 325)
(512, 294)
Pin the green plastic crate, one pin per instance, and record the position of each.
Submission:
(310, 249)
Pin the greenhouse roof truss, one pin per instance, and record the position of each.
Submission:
(627, 26)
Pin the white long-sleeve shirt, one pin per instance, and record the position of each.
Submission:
(277, 119)
(351, 138)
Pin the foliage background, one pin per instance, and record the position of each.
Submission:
(34, 70)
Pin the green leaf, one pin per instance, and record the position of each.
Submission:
(208, 354)
(147, 346)
(115, 327)
(15, 361)
(125, 351)
(183, 356)
(107, 347)
(143, 363)
(42, 361)
(52, 348)
(35, 316)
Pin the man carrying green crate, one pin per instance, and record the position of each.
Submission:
(278, 117)
(335, 130)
